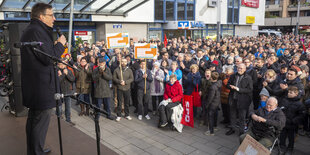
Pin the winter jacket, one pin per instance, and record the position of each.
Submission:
(244, 95)
(66, 82)
(187, 65)
(177, 72)
(192, 83)
(160, 78)
(127, 77)
(101, 80)
(37, 71)
(174, 92)
(205, 85)
(253, 74)
(140, 82)
(214, 95)
(224, 90)
(83, 80)
(297, 83)
(275, 122)
(294, 111)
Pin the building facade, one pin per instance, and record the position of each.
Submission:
(282, 15)
(146, 19)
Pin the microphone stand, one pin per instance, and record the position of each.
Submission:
(55, 61)
(97, 111)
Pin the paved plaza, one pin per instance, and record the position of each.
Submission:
(143, 137)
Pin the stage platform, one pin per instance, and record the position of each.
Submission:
(75, 142)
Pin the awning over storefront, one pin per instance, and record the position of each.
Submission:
(99, 7)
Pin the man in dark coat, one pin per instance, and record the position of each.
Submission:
(240, 97)
(267, 123)
(102, 76)
(38, 77)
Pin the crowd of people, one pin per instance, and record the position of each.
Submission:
(261, 80)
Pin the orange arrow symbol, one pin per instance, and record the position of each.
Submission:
(119, 35)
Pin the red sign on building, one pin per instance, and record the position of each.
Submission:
(250, 3)
(80, 33)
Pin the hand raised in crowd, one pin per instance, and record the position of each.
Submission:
(265, 84)
(144, 75)
(62, 39)
(182, 65)
(202, 64)
(75, 67)
(283, 86)
(166, 71)
(122, 83)
(59, 73)
(66, 71)
(86, 67)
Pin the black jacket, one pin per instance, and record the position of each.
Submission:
(187, 65)
(101, 80)
(244, 95)
(214, 95)
(139, 80)
(37, 72)
(275, 122)
(297, 83)
(294, 112)
(66, 82)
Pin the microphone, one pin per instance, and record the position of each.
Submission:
(59, 96)
(58, 31)
(34, 43)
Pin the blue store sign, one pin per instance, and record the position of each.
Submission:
(190, 24)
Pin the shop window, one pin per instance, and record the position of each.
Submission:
(159, 15)
(190, 11)
(16, 15)
(211, 32)
(169, 10)
(181, 11)
(155, 34)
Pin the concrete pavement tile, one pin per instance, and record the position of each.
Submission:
(227, 143)
(149, 140)
(200, 139)
(223, 153)
(172, 151)
(185, 139)
(181, 147)
(199, 152)
(131, 150)
(137, 134)
(116, 141)
(213, 145)
(155, 151)
(138, 142)
(162, 138)
(205, 148)
(225, 150)
(159, 145)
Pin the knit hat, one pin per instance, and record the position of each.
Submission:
(157, 63)
(264, 92)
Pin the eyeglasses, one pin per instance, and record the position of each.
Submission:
(51, 15)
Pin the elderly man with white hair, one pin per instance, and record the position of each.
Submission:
(240, 98)
(267, 123)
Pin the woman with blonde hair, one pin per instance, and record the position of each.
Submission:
(271, 83)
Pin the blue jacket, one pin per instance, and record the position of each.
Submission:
(191, 83)
(177, 72)
(280, 52)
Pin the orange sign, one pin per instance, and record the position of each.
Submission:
(117, 40)
(145, 51)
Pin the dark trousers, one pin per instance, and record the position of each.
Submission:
(67, 102)
(125, 96)
(225, 110)
(290, 134)
(155, 101)
(212, 115)
(237, 117)
(36, 130)
(107, 104)
(143, 101)
(165, 112)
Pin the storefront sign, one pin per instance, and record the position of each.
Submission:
(117, 26)
(183, 25)
(250, 3)
(197, 25)
(250, 19)
(80, 33)
(145, 51)
(117, 40)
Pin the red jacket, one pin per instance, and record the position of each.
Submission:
(174, 92)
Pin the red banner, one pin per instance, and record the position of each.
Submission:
(80, 33)
(188, 114)
(250, 3)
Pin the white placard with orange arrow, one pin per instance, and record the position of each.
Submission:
(117, 40)
(145, 51)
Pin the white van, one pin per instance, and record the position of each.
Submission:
(270, 33)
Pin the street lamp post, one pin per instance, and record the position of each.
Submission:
(297, 20)
(70, 26)
(218, 31)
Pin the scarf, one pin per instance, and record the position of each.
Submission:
(157, 83)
